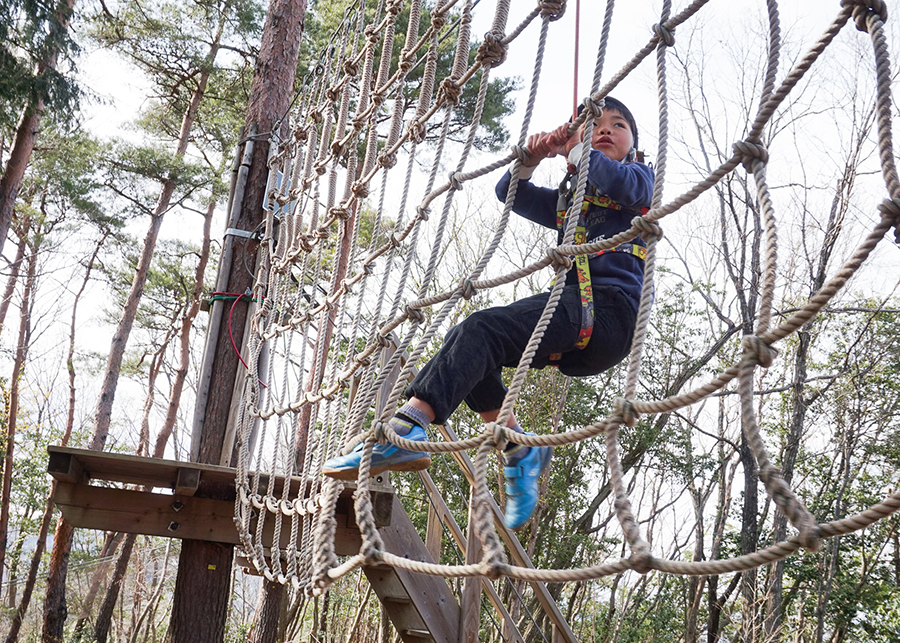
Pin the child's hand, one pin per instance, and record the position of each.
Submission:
(539, 147)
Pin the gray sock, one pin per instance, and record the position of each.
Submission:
(513, 453)
(410, 412)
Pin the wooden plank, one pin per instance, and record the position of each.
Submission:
(434, 530)
(433, 607)
(155, 472)
(510, 629)
(154, 514)
(65, 467)
(186, 482)
(517, 552)
(470, 605)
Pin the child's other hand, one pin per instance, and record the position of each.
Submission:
(539, 148)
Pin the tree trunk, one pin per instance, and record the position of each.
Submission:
(268, 613)
(110, 545)
(27, 591)
(26, 133)
(13, 278)
(18, 364)
(199, 595)
(104, 617)
(749, 538)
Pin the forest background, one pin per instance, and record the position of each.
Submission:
(139, 106)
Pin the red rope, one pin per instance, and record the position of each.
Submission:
(575, 82)
(237, 298)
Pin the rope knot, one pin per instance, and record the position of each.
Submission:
(438, 20)
(331, 94)
(416, 131)
(387, 161)
(468, 289)
(492, 52)
(380, 435)
(395, 242)
(382, 341)
(455, 183)
(395, 6)
(763, 353)
(650, 230)
(552, 9)
(405, 65)
(368, 269)
(316, 116)
(360, 189)
(624, 410)
(415, 314)
(351, 68)
(301, 135)
(423, 213)
(890, 212)
(641, 559)
(593, 107)
(449, 91)
(339, 213)
(665, 35)
(337, 148)
(558, 260)
(862, 9)
(498, 436)
(521, 153)
(750, 152)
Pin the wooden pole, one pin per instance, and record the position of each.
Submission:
(203, 584)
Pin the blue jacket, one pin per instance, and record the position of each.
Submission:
(628, 184)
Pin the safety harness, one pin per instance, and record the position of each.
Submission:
(582, 261)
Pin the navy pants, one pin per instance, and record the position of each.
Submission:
(469, 364)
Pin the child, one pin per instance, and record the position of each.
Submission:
(590, 331)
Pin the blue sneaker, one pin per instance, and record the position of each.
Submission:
(522, 485)
(385, 457)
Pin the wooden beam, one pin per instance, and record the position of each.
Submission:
(510, 629)
(186, 482)
(517, 552)
(470, 605)
(65, 467)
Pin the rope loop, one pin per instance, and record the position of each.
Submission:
(624, 411)
(763, 353)
(593, 107)
(387, 161)
(749, 152)
(423, 213)
(415, 314)
(492, 52)
(558, 260)
(468, 289)
(450, 92)
(552, 9)
(862, 9)
(665, 35)
(455, 183)
(650, 230)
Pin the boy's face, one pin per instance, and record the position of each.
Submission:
(612, 135)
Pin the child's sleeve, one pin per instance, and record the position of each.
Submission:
(629, 184)
(535, 203)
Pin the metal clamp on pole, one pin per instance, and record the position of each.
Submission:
(234, 232)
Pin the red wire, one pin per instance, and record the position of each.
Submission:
(237, 298)
(575, 82)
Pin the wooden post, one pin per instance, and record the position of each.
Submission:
(470, 605)
(202, 588)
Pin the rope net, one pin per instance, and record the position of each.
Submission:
(345, 296)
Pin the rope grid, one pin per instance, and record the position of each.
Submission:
(327, 333)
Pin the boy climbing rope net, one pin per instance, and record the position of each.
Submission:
(590, 331)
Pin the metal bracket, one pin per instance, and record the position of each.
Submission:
(238, 233)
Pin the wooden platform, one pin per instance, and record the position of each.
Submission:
(179, 499)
